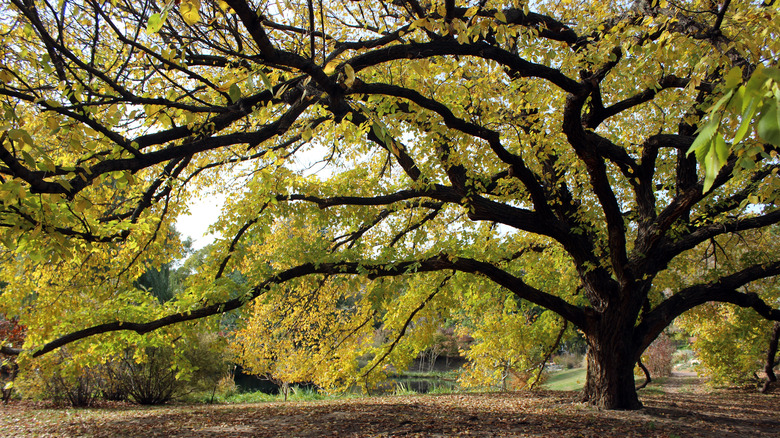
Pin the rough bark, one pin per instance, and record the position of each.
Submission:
(771, 354)
(610, 377)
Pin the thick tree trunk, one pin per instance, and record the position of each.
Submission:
(610, 378)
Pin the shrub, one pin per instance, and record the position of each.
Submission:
(149, 379)
(658, 356)
(569, 360)
(61, 379)
(147, 375)
(156, 375)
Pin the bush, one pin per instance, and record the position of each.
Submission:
(658, 356)
(80, 391)
(61, 379)
(144, 375)
(157, 375)
(147, 380)
(206, 355)
(569, 360)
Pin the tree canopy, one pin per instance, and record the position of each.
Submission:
(546, 150)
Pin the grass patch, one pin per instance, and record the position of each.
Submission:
(574, 380)
(652, 390)
(296, 394)
(452, 374)
(569, 380)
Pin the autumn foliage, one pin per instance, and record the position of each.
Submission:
(388, 168)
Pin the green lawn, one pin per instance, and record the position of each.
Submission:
(569, 380)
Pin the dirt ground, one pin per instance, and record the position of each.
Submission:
(677, 407)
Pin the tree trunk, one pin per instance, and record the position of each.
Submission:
(610, 378)
(769, 363)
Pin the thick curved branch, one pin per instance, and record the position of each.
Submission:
(341, 47)
(436, 263)
(598, 114)
(702, 234)
(722, 290)
(518, 167)
(386, 141)
(85, 177)
(450, 120)
(517, 66)
(547, 26)
(254, 25)
(727, 203)
(481, 209)
(10, 351)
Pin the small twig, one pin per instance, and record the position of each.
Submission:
(549, 354)
(406, 326)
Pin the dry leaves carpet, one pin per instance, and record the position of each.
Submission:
(679, 411)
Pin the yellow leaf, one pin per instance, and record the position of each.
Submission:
(306, 134)
(350, 72)
(189, 10)
(330, 67)
(81, 205)
(5, 76)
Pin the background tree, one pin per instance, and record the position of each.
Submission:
(451, 138)
(731, 342)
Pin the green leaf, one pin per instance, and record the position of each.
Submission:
(747, 119)
(379, 131)
(21, 135)
(773, 73)
(756, 81)
(700, 145)
(156, 22)
(28, 159)
(711, 168)
(733, 77)
(747, 164)
(722, 149)
(769, 123)
(264, 78)
(235, 93)
(722, 101)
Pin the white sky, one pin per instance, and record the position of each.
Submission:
(203, 213)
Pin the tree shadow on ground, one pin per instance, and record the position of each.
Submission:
(543, 413)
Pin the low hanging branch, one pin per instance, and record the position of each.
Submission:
(549, 354)
(406, 326)
(648, 379)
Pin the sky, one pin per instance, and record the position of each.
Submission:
(203, 212)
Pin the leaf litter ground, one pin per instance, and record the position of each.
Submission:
(677, 408)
